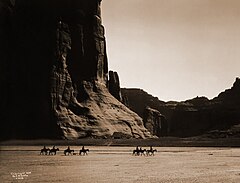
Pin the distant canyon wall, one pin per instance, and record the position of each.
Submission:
(193, 117)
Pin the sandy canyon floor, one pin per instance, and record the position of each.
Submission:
(107, 164)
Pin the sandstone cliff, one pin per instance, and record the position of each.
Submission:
(155, 122)
(55, 73)
(114, 85)
(195, 116)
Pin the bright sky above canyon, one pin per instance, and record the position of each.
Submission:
(174, 49)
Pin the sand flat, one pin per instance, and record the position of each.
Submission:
(116, 164)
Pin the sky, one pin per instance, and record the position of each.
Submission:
(174, 49)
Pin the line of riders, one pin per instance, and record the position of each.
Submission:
(137, 152)
(68, 151)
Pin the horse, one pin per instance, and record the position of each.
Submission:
(68, 151)
(151, 152)
(141, 151)
(44, 150)
(84, 151)
(138, 152)
(53, 151)
(135, 152)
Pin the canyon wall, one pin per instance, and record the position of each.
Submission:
(54, 73)
(192, 117)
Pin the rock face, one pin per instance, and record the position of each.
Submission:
(192, 117)
(155, 122)
(55, 72)
(114, 85)
(146, 106)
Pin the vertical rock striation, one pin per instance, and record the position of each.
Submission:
(155, 122)
(114, 85)
(56, 73)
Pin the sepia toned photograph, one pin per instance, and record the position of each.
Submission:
(128, 91)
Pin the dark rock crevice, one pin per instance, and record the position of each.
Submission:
(55, 72)
(114, 85)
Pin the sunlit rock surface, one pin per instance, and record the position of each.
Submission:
(55, 73)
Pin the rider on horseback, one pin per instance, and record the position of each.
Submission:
(44, 150)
